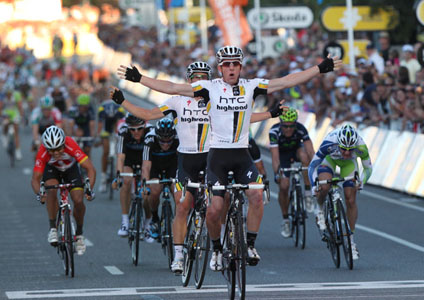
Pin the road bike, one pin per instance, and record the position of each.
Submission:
(165, 235)
(338, 230)
(197, 241)
(234, 252)
(135, 230)
(64, 224)
(297, 212)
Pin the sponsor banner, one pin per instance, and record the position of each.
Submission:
(281, 17)
(420, 12)
(194, 13)
(225, 18)
(359, 48)
(335, 18)
(272, 46)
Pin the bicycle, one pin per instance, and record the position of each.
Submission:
(297, 213)
(197, 240)
(165, 236)
(64, 224)
(338, 230)
(135, 215)
(10, 140)
(234, 252)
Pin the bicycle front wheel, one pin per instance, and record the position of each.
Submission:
(301, 219)
(134, 230)
(189, 250)
(332, 244)
(69, 245)
(166, 232)
(228, 261)
(293, 213)
(240, 255)
(111, 176)
(345, 234)
(202, 253)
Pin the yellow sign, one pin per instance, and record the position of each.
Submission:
(359, 47)
(420, 12)
(335, 18)
(181, 36)
(180, 14)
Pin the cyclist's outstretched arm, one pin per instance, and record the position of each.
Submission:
(163, 86)
(274, 112)
(327, 65)
(145, 114)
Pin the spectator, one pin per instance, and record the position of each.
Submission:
(384, 41)
(375, 59)
(410, 62)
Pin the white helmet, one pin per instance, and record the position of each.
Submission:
(229, 53)
(199, 67)
(53, 137)
(347, 137)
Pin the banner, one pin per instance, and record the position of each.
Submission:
(225, 18)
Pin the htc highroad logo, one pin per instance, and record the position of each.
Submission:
(226, 104)
(194, 115)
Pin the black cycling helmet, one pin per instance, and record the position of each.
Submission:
(165, 129)
(133, 121)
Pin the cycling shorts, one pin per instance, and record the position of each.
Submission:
(238, 160)
(189, 166)
(71, 175)
(170, 170)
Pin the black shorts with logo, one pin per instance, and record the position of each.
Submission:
(189, 166)
(221, 161)
(71, 175)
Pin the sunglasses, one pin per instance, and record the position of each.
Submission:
(288, 126)
(200, 76)
(137, 129)
(228, 63)
(347, 149)
(56, 149)
(166, 142)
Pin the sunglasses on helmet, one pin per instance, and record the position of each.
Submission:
(228, 63)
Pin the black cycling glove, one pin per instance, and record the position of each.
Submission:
(118, 96)
(132, 74)
(327, 65)
(276, 111)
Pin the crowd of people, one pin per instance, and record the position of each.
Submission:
(385, 89)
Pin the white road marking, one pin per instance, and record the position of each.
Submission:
(114, 270)
(390, 237)
(325, 286)
(392, 201)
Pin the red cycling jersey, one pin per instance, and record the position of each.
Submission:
(71, 154)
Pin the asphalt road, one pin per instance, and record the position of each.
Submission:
(389, 238)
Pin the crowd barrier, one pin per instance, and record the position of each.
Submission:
(397, 157)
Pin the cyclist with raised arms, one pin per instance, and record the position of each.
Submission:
(289, 141)
(229, 101)
(192, 127)
(159, 158)
(57, 162)
(108, 115)
(130, 154)
(341, 147)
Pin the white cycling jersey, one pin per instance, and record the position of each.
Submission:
(230, 108)
(192, 123)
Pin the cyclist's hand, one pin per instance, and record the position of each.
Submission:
(277, 178)
(117, 183)
(41, 198)
(90, 195)
(145, 191)
(117, 96)
(130, 74)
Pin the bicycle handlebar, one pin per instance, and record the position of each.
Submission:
(336, 180)
(83, 138)
(293, 169)
(161, 181)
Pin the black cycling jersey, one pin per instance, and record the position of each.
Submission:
(286, 144)
(161, 160)
(129, 146)
(82, 120)
(254, 150)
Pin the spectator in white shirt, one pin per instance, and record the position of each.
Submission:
(410, 62)
(375, 59)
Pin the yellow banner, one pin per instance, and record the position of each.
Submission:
(359, 48)
(335, 18)
(180, 14)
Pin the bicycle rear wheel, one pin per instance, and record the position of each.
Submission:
(301, 219)
(69, 244)
(166, 232)
(189, 250)
(332, 234)
(202, 253)
(345, 235)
